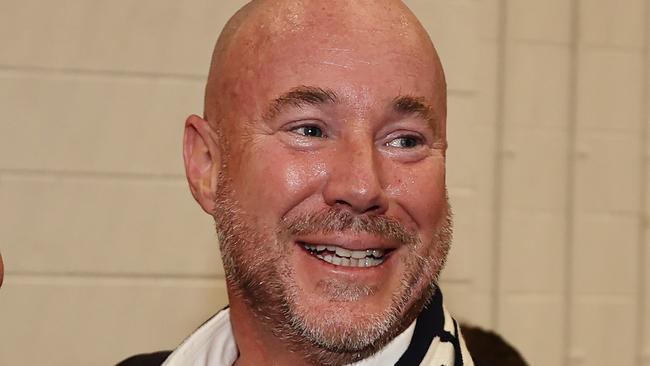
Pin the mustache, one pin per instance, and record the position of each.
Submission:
(332, 220)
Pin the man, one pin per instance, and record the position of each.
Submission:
(321, 157)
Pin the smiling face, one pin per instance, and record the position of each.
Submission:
(329, 152)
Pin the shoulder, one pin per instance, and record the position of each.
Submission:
(489, 348)
(150, 359)
(219, 323)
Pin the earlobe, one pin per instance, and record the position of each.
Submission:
(202, 161)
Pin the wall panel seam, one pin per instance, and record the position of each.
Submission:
(90, 276)
(641, 333)
(113, 74)
(498, 161)
(570, 179)
(87, 174)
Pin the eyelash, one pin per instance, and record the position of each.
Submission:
(321, 134)
(418, 140)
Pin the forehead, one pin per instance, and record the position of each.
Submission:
(363, 59)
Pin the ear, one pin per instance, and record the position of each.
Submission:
(202, 161)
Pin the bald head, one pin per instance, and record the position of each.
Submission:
(341, 34)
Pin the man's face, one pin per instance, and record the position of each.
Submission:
(331, 203)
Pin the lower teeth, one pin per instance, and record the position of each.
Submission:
(350, 262)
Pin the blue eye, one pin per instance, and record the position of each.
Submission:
(405, 142)
(309, 131)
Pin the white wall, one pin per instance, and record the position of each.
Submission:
(548, 173)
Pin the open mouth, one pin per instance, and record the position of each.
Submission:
(339, 256)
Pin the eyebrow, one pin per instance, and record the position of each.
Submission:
(408, 105)
(299, 97)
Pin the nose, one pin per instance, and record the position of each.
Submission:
(355, 181)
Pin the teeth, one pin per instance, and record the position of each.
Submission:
(346, 262)
(377, 253)
(346, 257)
(342, 252)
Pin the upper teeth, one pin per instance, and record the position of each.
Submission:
(342, 252)
(346, 257)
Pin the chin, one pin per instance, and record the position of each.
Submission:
(355, 320)
(347, 328)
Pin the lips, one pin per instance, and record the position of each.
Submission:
(340, 256)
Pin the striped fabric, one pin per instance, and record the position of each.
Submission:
(435, 341)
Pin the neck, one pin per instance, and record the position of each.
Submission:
(257, 345)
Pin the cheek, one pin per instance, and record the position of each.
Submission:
(420, 193)
(269, 191)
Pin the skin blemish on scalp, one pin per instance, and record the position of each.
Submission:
(337, 49)
(287, 20)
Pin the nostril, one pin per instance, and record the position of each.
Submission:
(374, 208)
(360, 210)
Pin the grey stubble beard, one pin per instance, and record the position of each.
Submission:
(258, 273)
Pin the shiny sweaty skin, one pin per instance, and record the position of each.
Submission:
(324, 127)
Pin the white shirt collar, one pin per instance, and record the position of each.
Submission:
(214, 344)
(392, 352)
